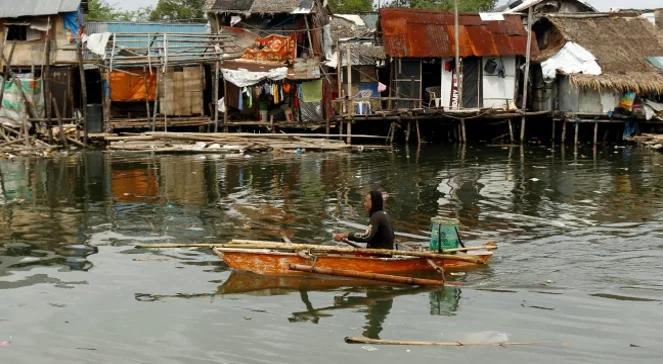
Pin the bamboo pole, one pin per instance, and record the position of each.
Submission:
(528, 56)
(83, 81)
(216, 96)
(147, 91)
(63, 138)
(254, 244)
(459, 87)
(239, 243)
(363, 275)
(365, 340)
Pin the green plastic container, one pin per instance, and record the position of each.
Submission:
(444, 234)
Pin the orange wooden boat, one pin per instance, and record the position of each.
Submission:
(267, 261)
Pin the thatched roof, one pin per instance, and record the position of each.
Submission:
(621, 44)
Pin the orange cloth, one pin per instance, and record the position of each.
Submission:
(131, 87)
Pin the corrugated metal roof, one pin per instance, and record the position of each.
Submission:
(260, 6)
(132, 27)
(430, 34)
(18, 8)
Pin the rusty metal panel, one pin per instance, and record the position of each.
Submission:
(430, 34)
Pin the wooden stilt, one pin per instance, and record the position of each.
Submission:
(564, 131)
(216, 97)
(418, 133)
(83, 82)
(511, 131)
(63, 137)
(522, 130)
(407, 132)
(575, 137)
(349, 133)
(225, 103)
(462, 128)
(147, 93)
(596, 133)
(553, 132)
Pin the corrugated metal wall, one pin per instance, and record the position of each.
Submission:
(128, 27)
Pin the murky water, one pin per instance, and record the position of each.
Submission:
(577, 275)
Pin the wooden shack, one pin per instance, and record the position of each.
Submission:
(279, 79)
(39, 59)
(600, 68)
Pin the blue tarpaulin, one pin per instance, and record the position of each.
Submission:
(72, 23)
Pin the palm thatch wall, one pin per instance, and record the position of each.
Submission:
(620, 42)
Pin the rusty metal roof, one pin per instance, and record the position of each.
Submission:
(414, 33)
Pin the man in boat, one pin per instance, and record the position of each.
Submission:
(380, 232)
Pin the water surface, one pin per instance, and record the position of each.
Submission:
(577, 273)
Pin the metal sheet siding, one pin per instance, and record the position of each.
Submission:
(423, 34)
(129, 27)
(17, 8)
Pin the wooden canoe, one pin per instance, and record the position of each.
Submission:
(266, 261)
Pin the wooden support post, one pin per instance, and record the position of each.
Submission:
(340, 129)
(107, 100)
(349, 134)
(156, 102)
(575, 138)
(225, 104)
(553, 132)
(462, 130)
(563, 131)
(147, 92)
(528, 56)
(216, 96)
(350, 109)
(418, 133)
(63, 137)
(510, 130)
(407, 132)
(522, 129)
(596, 133)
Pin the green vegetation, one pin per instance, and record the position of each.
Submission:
(179, 10)
(101, 10)
(350, 6)
(463, 5)
(166, 10)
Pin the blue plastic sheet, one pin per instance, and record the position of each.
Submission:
(72, 23)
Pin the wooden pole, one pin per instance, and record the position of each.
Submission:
(365, 340)
(225, 103)
(407, 132)
(107, 100)
(216, 96)
(528, 56)
(63, 138)
(462, 128)
(553, 131)
(384, 252)
(350, 109)
(156, 102)
(575, 138)
(459, 86)
(339, 77)
(363, 275)
(147, 92)
(253, 244)
(510, 121)
(563, 131)
(418, 133)
(596, 133)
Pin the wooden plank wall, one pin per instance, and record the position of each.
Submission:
(181, 93)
